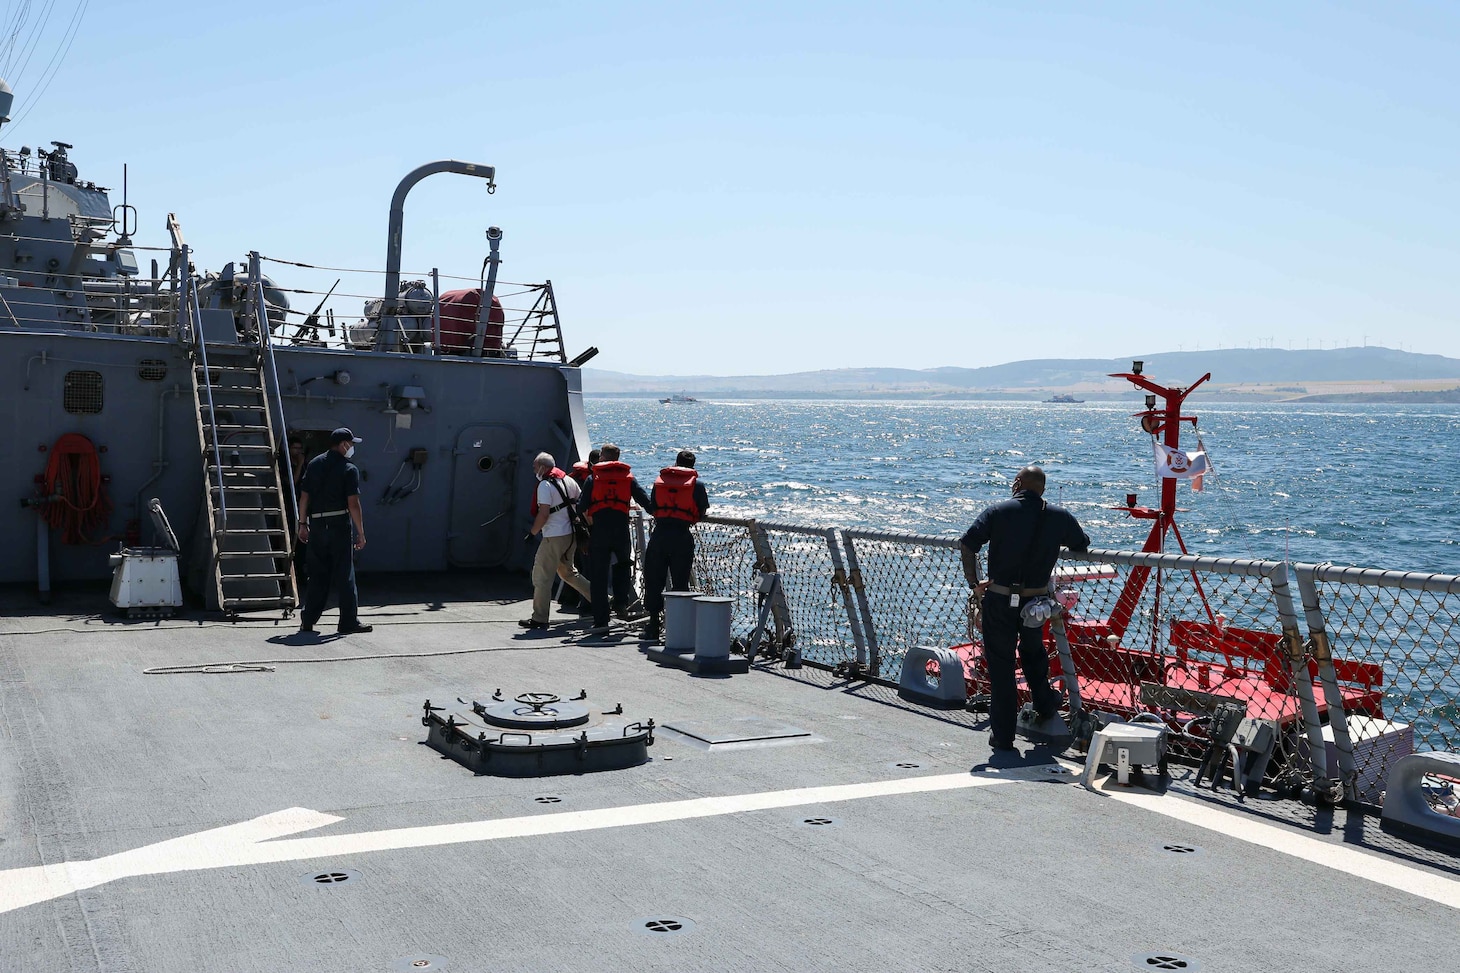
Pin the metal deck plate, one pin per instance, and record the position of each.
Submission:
(740, 729)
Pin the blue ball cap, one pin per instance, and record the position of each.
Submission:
(343, 435)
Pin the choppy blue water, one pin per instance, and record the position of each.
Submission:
(1372, 485)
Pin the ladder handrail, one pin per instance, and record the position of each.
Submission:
(266, 339)
(195, 318)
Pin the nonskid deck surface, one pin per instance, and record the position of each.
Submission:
(885, 840)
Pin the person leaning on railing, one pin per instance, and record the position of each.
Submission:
(1024, 535)
(607, 495)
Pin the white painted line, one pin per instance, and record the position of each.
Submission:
(1383, 871)
(248, 843)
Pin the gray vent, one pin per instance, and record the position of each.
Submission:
(82, 393)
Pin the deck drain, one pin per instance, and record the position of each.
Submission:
(548, 799)
(335, 876)
(820, 822)
(906, 765)
(1175, 848)
(1165, 961)
(416, 964)
(664, 925)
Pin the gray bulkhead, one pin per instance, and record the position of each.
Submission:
(479, 422)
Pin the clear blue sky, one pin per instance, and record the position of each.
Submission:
(768, 187)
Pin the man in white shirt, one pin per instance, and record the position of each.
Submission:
(556, 493)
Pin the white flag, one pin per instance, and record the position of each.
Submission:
(1178, 465)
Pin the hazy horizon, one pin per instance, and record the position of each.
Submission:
(819, 184)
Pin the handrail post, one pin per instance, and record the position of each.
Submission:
(435, 311)
(869, 628)
(1302, 681)
(839, 579)
(1322, 650)
(765, 563)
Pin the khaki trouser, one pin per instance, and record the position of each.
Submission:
(554, 557)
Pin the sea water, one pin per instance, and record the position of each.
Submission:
(1370, 485)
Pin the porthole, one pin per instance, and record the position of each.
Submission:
(152, 369)
(485, 464)
(82, 393)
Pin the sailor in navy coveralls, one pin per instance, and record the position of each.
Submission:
(1024, 536)
(331, 522)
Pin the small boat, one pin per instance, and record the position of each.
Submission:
(679, 400)
(1065, 399)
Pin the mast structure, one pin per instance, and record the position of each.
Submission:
(1164, 421)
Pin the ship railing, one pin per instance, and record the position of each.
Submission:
(195, 328)
(1347, 671)
(259, 310)
(138, 306)
(1395, 637)
(342, 307)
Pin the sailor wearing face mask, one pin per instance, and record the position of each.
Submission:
(329, 508)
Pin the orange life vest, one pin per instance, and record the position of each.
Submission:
(610, 488)
(556, 474)
(674, 494)
(579, 472)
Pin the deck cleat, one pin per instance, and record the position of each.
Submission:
(1051, 730)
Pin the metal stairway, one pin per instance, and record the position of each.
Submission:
(252, 549)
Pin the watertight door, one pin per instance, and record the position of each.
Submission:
(483, 501)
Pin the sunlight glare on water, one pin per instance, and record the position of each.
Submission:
(1369, 485)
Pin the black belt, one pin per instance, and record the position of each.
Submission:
(1003, 589)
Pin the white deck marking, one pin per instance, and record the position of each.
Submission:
(1396, 875)
(248, 843)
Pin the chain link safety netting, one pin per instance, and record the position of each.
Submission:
(915, 593)
(815, 590)
(1177, 638)
(1186, 639)
(726, 566)
(1395, 643)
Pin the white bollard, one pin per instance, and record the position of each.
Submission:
(712, 627)
(679, 620)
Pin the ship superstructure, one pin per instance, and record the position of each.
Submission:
(124, 382)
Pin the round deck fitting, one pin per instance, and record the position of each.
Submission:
(538, 735)
(536, 711)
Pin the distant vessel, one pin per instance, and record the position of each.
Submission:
(679, 400)
(1065, 399)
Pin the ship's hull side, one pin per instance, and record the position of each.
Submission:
(472, 425)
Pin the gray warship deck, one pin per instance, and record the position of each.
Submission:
(885, 838)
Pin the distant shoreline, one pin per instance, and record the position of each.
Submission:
(1437, 397)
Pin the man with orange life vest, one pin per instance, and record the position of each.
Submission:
(551, 518)
(680, 501)
(605, 505)
(570, 600)
(581, 470)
